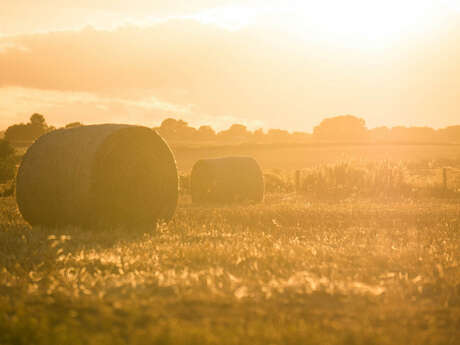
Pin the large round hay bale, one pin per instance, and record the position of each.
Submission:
(227, 180)
(98, 175)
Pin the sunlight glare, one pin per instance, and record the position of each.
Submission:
(229, 17)
(363, 22)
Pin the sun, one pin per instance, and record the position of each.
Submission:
(361, 23)
(365, 23)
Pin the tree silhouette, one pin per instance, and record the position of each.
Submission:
(177, 130)
(341, 128)
(7, 161)
(278, 135)
(236, 132)
(38, 120)
(73, 124)
(450, 134)
(206, 133)
(28, 132)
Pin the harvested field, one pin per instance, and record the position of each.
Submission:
(282, 272)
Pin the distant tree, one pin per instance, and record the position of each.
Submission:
(28, 132)
(301, 137)
(422, 134)
(38, 126)
(341, 128)
(6, 150)
(278, 135)
(406, 134)
(398, 133)
(177, 130)
(168, 128)
(38, 120)
(18, 132)
(413, 134)
(236, 132)
(379, 134)
(172, 124)
(7, 161)
(259, 135)
(206, 133)
(73, 124)
(450, 134)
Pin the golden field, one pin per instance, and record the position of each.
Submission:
(380, 267)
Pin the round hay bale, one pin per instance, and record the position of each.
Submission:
(227, 180)
(98, 175)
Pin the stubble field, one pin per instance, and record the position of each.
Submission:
(289, 271)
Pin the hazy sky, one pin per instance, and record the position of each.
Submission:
(284, 64)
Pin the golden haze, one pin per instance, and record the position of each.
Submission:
(264, 65)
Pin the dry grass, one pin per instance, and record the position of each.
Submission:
(292, 157)
(283, 272)
(383, 179)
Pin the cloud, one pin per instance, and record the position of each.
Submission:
(22, 16)
(181, 62)
(62, 107)
(203, 72)
(5, 46)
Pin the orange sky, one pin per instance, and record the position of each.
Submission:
(264, 64)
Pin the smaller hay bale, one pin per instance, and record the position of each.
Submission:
(227, 180)
(98, 175)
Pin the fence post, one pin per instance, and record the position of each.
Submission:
(444, 178)
(297, 181)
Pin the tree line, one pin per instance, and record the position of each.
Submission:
(345, 128)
